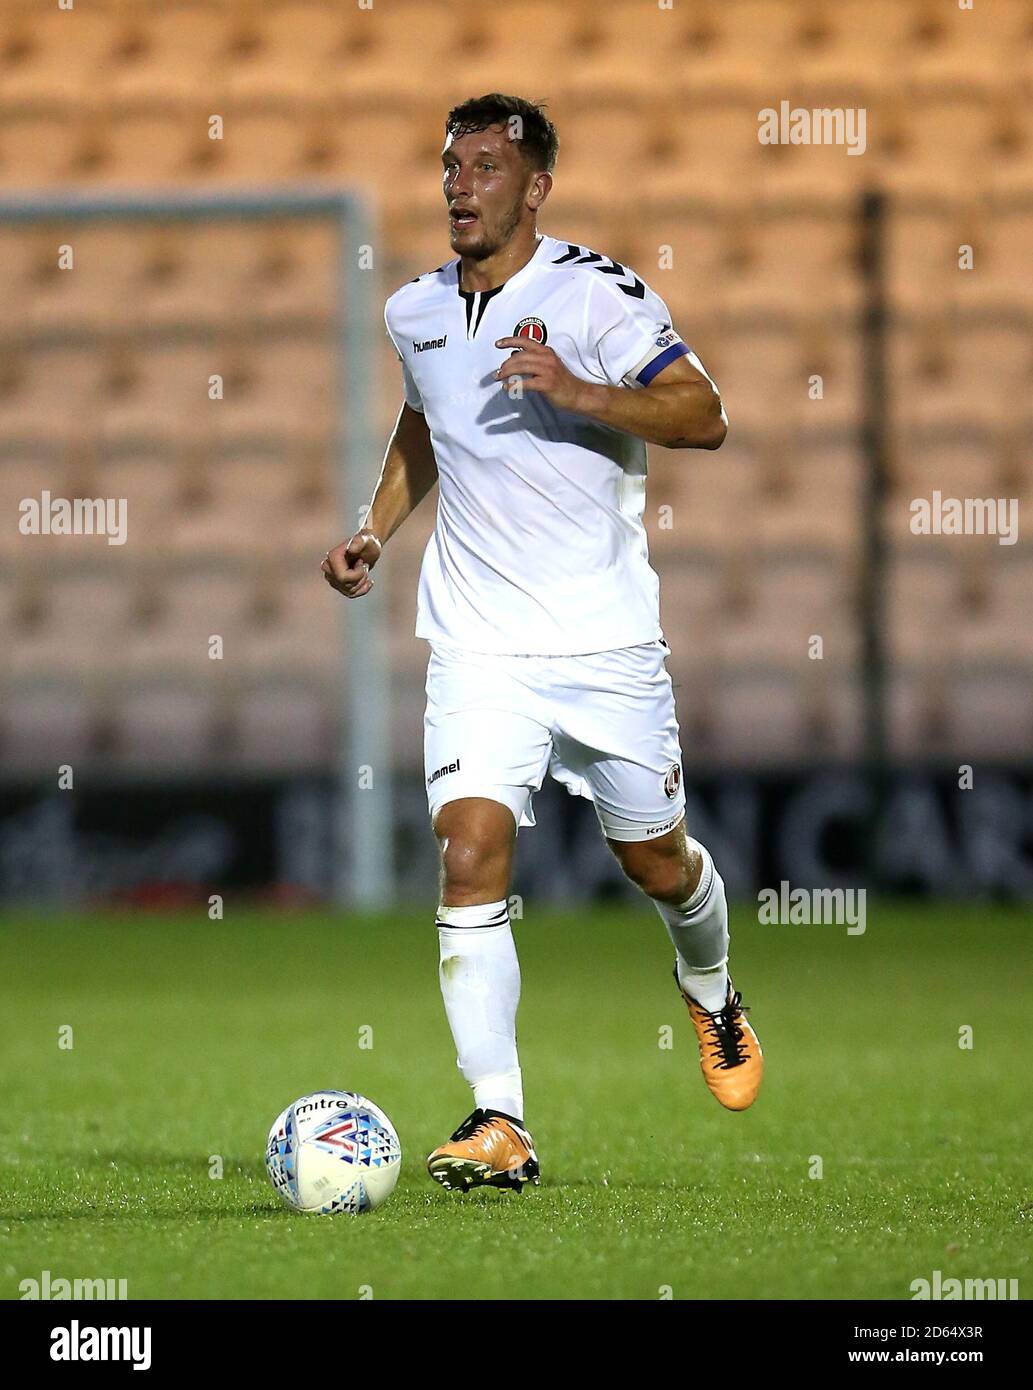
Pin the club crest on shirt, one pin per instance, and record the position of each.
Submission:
(672, 781)
(532, 328)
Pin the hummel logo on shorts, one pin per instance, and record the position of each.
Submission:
(443, 772)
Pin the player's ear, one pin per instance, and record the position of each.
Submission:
(541, 186)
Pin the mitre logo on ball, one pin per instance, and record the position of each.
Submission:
(532, 328)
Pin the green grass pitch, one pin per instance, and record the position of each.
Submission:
(189, 1036)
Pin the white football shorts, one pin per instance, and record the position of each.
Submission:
(603, 725)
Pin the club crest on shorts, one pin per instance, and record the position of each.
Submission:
(532, 328)
(672, 781)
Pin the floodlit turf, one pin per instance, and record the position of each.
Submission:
(190, 1036)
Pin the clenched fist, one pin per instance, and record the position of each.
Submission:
(347, 566)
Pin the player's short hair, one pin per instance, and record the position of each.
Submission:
(539, 143)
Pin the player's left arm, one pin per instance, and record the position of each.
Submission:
(680, 408)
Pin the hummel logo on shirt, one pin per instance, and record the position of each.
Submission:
(430, 343)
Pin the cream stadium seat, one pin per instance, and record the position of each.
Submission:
(758, 718)
(168, 726)
(44, 725)
(284, 725)
(294, 627)
(177, 612)
(787, 602)
(809, 490)
(81, 619)
(991, 711)
(704, 499)
(917, 710)
(921, 597)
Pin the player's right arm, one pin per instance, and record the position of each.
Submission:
(408, 474)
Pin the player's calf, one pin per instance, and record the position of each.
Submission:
(679, 874)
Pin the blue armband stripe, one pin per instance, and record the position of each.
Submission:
(650, 370)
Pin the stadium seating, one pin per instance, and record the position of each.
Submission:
(105, 378)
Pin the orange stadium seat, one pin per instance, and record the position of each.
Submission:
(474, 48)
(952, 373)
(47, 393)
(933, 144)
(34, 147)
(51, 55)
(722, 44)
(1008, 167)
(286, 52)
(1005, 240)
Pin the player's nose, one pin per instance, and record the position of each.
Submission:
(459, 188)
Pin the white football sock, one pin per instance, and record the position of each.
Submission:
(699, 930)
(480, 984)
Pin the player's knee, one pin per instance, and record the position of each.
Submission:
(467, 862)
(475, 855)
(668, 871)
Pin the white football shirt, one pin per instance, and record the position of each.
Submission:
(539, 547)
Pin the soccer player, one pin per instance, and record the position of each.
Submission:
(534, 372)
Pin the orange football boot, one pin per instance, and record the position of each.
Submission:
(730, 1056)
(489, 1149)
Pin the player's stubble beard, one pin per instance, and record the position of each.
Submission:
(489, 245)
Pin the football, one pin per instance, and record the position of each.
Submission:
(333, 1151)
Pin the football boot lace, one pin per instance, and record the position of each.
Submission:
(725, 1035)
